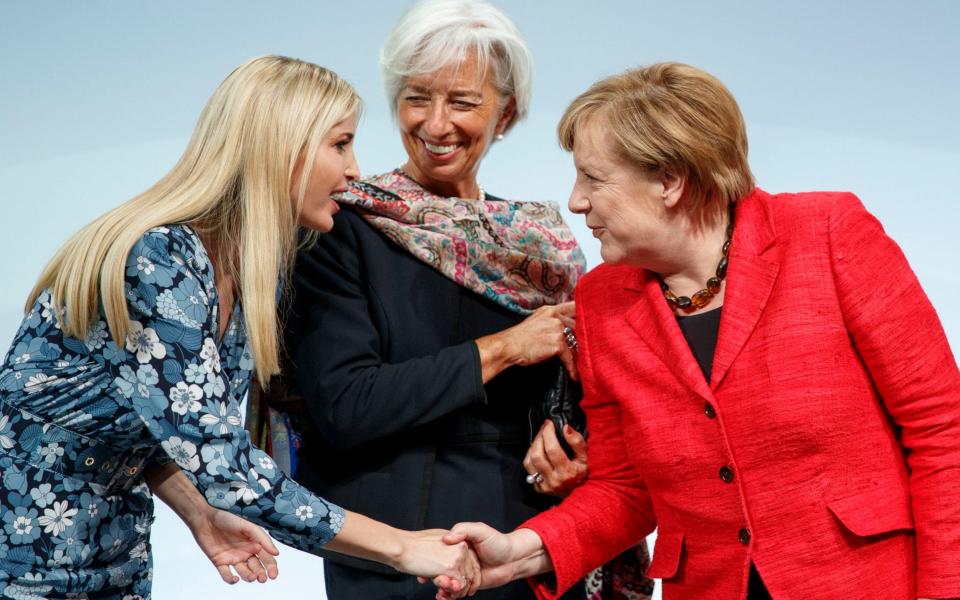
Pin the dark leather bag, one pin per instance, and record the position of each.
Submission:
(560, 404)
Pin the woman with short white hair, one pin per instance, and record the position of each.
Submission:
(432, 316)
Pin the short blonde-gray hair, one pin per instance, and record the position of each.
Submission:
(671, 116)
(436, 33)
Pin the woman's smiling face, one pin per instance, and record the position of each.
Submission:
(447, 121)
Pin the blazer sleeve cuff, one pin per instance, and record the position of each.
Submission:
(564, 552)
(475, 373)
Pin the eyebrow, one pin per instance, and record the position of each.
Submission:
(419, 89)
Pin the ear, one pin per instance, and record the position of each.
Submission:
(674, 184)
(506, 115)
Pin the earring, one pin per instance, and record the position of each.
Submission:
(498, 137)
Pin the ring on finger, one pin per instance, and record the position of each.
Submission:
(535, 478)
(570, 337)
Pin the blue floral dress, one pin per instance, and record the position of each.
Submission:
(80, 419)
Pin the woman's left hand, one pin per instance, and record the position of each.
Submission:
(231, 542)
(559, 474)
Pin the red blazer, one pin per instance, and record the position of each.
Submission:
(834, 401)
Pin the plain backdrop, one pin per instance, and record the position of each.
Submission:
(97, 100)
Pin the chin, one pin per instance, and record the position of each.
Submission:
(611, 257)
(320, 223)
(440, 171)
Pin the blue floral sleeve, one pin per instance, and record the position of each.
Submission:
(172, 375)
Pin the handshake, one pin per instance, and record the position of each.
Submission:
(461, 561)
(471, 557)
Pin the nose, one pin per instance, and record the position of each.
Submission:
(352, 172)
(437, 123)
(578, 203)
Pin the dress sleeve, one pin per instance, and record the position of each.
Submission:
(902, 344)
(353, 395)
(609, 513)
(171, 376)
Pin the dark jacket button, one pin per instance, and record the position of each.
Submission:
(710, 412)
(726, 473)
(744, 536)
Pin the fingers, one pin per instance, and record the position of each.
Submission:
(474, 533)
(568, 357)
(256, 567)
(577, 443)
(567, 309)
(243, 570)
(546, 456)
(227, 575)
(258, 535)
(536, 461)
(453, 537)
(451, 585)
(472, 571)
(545, 333)
(529, 460)
(269, 564)
(554, 453)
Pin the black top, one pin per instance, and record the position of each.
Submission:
(405, 431)
(701, 333)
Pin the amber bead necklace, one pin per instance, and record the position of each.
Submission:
(703, 297)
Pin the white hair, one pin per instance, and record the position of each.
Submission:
(436, 33)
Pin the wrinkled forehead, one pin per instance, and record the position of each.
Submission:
(466, 73)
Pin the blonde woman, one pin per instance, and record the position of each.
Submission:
(134, 353)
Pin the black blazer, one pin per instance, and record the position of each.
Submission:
(404, 431)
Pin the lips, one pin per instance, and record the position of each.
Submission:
(441, 151)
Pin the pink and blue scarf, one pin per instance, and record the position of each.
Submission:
(521, 255)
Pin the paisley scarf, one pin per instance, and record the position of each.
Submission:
(521, 255)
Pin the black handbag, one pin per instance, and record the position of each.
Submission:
(560, 404)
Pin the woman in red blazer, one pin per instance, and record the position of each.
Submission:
(765, 381)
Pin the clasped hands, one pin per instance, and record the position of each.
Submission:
(486, 556)
(502, 558)
(461, 561)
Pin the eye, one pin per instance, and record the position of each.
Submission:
(342, 145)
(416, 100)
(589, 177)
(464, 105)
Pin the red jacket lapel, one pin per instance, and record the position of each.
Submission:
(654, 322)
(754, 265)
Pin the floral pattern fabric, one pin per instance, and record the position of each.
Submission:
(521, 255)
(78, 418)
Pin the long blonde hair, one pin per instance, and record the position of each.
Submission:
(232, 186)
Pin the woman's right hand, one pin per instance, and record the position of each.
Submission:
(535, 339)
(505, 557)
(452, 567)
